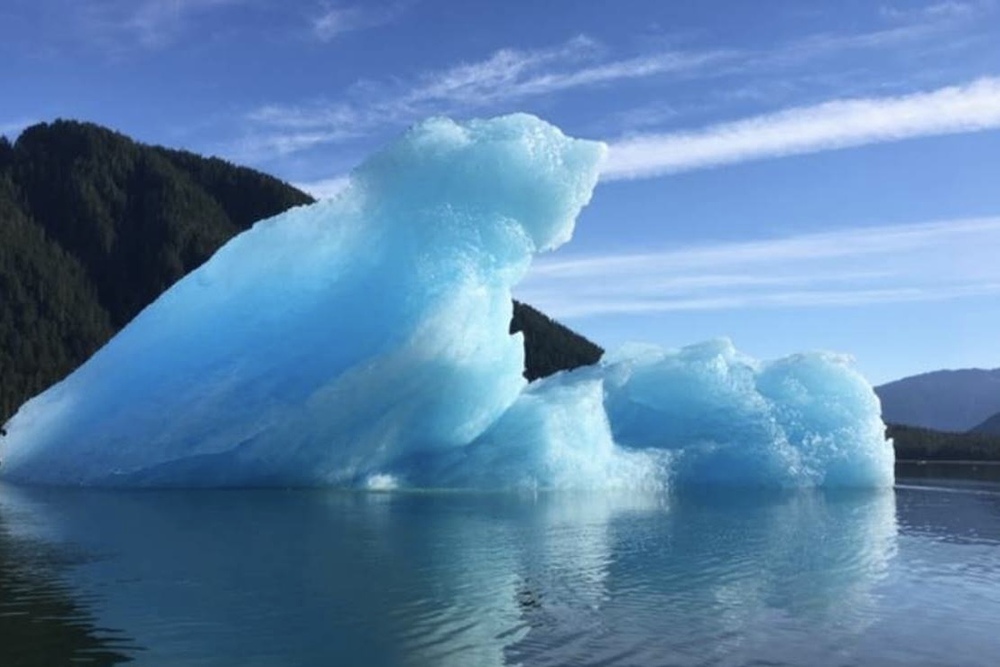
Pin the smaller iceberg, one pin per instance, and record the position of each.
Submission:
(363, 341)
(702, 416)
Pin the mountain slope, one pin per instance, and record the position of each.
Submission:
(943, 400)
(548, 345)
(50, 318)
(989, 426)
(94, 226)
(136, 217)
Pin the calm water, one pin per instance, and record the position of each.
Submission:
(256, 578)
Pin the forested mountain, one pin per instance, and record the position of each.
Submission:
(943, 400)
(94, 226)
(136, 217)
(548, 345)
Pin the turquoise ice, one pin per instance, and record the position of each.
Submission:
(363, 341)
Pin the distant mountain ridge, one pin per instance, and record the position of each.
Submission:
(949, 415)
(990, 426)
(947, 400)
(94, 226)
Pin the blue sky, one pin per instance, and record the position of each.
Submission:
(795, 175)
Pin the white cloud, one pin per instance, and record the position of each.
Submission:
(338, 20)
(922, 262)
(152, 24)
(829, 126)
(506, 77)
(326, 188)
(909, 29)
(948, 9)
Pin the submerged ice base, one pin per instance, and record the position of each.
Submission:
(364, 341)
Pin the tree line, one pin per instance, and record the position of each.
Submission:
(920, 444)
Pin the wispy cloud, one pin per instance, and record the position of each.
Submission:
(829, 126)
(506, 77)
(337, 20)
(324, 189)
(913, 28)
(922, 262)
(934, 10)
(509, 77)
(119, 25)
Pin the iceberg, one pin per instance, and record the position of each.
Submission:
(363, 341)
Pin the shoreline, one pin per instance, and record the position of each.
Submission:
(950, 462)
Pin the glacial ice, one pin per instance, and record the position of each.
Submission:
(363, 341)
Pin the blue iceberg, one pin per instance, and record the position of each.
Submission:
(363, 341)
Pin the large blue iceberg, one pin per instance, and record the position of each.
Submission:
(363, 341)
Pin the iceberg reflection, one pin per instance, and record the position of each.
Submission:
(309, 577)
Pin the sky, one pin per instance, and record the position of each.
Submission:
(796, 175)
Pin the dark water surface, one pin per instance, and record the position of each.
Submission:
(262, 578)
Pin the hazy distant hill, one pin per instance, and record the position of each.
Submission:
(94, 226)
(990, 426)
(943, 400)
